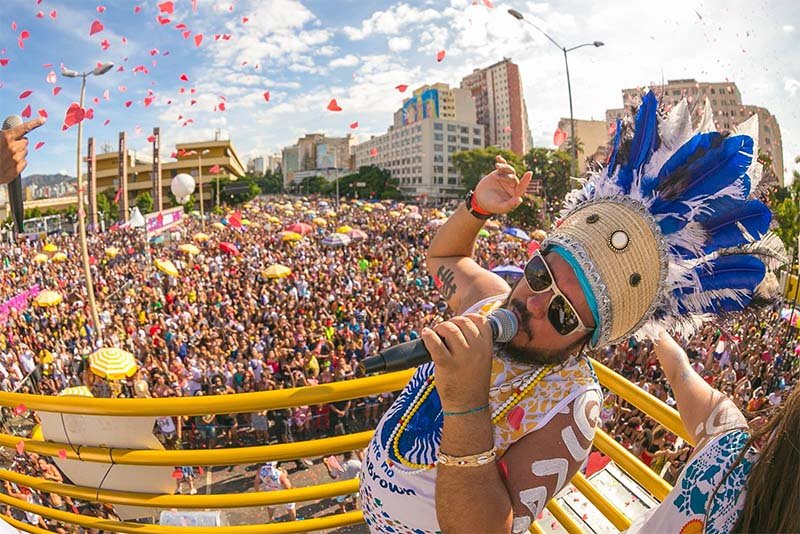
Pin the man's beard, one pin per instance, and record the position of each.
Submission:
(530, 355)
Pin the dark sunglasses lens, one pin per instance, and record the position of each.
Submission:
(537, 275)
(562, 316)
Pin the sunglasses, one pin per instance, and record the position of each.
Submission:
(560, 311)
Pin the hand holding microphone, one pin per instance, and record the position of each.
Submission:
(14, 146)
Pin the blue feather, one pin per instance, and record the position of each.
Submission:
(612, 160)
(737, 271)
(712, 170)
(723, 230)
(681, 156)
(643, 143)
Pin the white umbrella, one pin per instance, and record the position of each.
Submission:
(336, 240)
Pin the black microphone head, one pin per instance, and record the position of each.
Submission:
(12, 121)
(506, 324)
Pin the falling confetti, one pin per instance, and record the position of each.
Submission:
(184, 78)
(402, 88)
(128, 103)
(20, 447)
(354, 125)
(39, 145)
(266, 96)
(488, 3)
(20, 409)
(198, 39)
(96, 27)
(373, 152)
(53, 14)
(26, 113)
(42, 113)
(56, 90)
(559, 137)
(333, 105)
(166, 7)
(440, 55)
(62, 453)
(25, 94)
(101, 9)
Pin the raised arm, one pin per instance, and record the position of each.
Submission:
(459, 279)
(705, 412)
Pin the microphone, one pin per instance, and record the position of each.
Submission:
(413, 353)
(15, 185)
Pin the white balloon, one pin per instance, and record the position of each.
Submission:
(182, 185)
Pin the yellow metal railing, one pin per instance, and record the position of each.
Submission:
(252, 402)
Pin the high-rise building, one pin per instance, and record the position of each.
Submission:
(274, 162)
(256, 166)
(592, 136)
(429, 128)
(500, 105)
(317, 155)
(729, 111)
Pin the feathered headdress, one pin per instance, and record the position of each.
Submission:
(668, 230)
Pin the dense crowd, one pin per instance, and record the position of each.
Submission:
(223, 326)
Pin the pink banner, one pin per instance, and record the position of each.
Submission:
(18, 302)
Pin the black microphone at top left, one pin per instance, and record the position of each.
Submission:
(15, 185)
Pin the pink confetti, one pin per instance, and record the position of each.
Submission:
(198, 39)
(148, 100)
(25, 94)
(124, 41)
(56, 90)
(20, 408)
(89, 114)
(24, 34)
(162, 20)
(106, 95)
(101, 9)
(166, 7)
(42, 113)
(333, 105)
(488, 3)
(96, 100)
(214, 169)
(440, 56)
(559, 137)
(222, 106)
(137, 9)
(62, 453)
(20, 447)
(151, 139)
(266, 96)
(184, 78)
(402, 87)
(373, 152)
(186, 34)
(53, 14)
(96, 27)
(354, 125)
(154, 52)
(244, 20)
(39, 145)
(104, 44)
(26, 113)
(192, 102)
(128, 103)
(122, 88)
(106, 122)
(40, 15)
(3, 61)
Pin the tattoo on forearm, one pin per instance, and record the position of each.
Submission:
(445, 282)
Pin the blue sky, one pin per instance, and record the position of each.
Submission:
(307, 52)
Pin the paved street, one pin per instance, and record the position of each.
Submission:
(240, 480)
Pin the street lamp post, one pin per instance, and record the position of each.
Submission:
(517, 15)
(87, 272)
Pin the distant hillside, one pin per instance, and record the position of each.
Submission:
(41, 180)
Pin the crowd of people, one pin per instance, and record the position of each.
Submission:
(224, 326)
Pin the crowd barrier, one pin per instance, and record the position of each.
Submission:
(272, 400)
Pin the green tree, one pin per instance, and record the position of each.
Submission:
(107, 206)
(271, 182)
(144, 201)
(528, 214)
(785, 203)
(474, 164)
(314, 185)
(552, 167)
(378, 183)
(578, 146)
(239, 191)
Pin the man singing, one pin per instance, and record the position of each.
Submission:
(480, 439)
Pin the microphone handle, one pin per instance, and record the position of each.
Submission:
(396, 358)
(15, 199)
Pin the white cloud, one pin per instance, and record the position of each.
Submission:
(396, 19)
(791, 86)
(399, 44)
(788, 28)
(346, 61)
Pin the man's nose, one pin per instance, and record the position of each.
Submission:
(537, 304)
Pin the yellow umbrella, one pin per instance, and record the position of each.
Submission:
(218, 226)
(345, 229)
(166, 266)
(246, 222)
(394, 213)
(190, 249)
(319, 221)
(59, 257)
(200, 237)
(40, 258)
(112, 252)
(273, 219)
(290, 236)
(76, 391)
(368, 209)
(112, 363)
(48, 298)
(277, 271)
(50, 248)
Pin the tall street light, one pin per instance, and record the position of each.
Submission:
(200, 181)
(99, 70)
(517, 15)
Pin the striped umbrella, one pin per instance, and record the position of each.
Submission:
(336, 240)
(75, 391)
(300, 228)
(357, 235)
(48, 298)
(277, 271)
(112, 363)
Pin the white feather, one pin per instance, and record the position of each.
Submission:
(707, 120)
(691, 237)
(750, 127)
(673, 131)
(696, 302)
